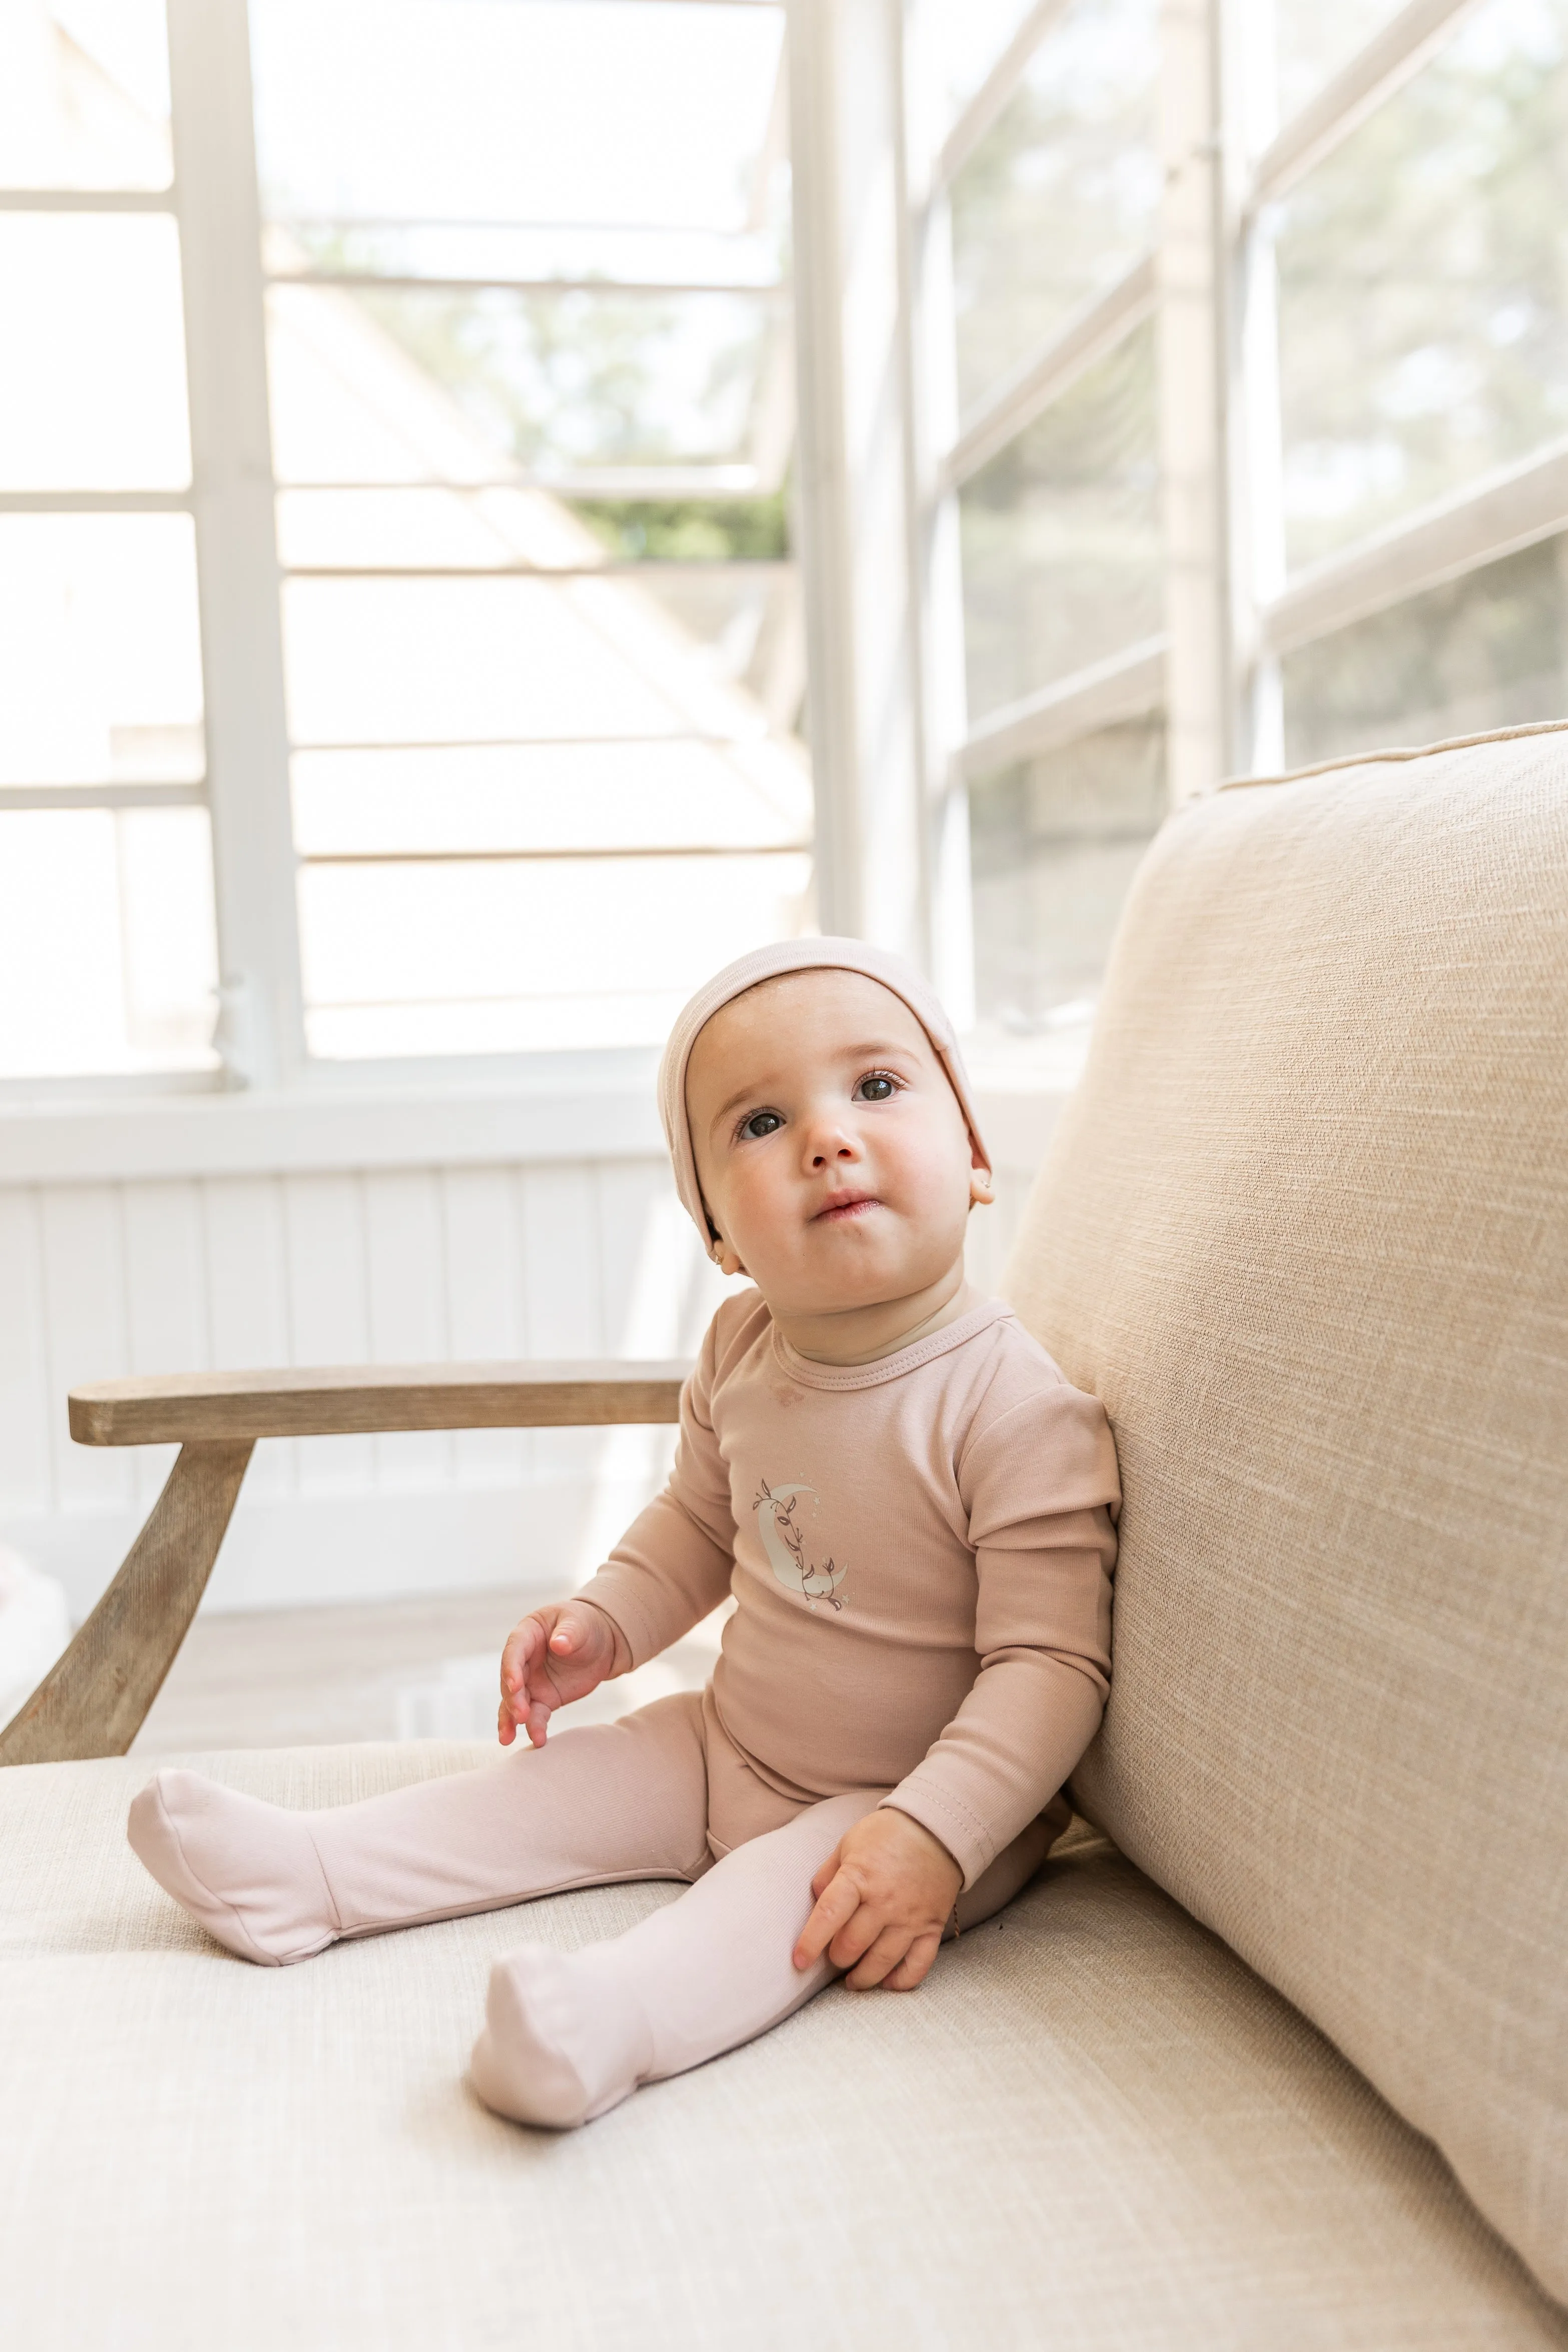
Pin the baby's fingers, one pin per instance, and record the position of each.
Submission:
(537, 1721)
(836, 1907)
(916, 1965)
(828, 1873)
(880, 1960)
(521, 1644)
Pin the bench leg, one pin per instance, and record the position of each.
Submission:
(94, 1700)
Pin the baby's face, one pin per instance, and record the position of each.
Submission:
(833, 1156)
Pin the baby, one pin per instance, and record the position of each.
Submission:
(913, 1512)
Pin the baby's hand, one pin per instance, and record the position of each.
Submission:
(555, 1656)
(883, 1900)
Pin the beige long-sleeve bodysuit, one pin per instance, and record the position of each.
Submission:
(920, 1553)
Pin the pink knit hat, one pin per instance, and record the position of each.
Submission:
(769, 963)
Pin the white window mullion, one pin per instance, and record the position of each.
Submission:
(1254, 426)
(822, 491)
(981, 111)
(1258, 552)
(1193, 399)
(942, 683)
(854, 472)
(1126, 685)
(1389, 59)
(1046, 374)
(1481, 524)
(261, 1031)
(933, 429)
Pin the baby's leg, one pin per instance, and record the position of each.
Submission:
(627, 1799)
(569, 2034)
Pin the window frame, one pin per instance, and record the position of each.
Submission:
(214, 197)
(1207, 280)
(882, 453)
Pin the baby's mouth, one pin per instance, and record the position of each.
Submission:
(849, 1204)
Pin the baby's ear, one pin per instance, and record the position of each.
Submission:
(982, 1190)
(723, 1257)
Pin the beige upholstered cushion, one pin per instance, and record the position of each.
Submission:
(1092, 2129)
(1304, 1230)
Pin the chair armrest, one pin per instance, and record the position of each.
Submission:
(359, 1400)
(93, 1700)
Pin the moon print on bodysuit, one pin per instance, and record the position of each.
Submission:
(784, 1541)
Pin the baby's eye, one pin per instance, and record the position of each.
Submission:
(877, 1087)
(761, 1122)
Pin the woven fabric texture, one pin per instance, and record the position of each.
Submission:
(1304, 1232)
(1092, 2127)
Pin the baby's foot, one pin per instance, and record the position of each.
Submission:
(250, 1872)
(564, 2038)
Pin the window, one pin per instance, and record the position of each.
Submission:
(108, 956)
(402, 504)
(1045, 208)
(1249, 424)
(463, 456)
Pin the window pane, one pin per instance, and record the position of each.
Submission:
(1061, 536)
(84, 96)
(1059, 198)
(1422, 314)
(1490, 650)
(556, 383)
(107, 961)
(480, 110)
(1314, 39)
(554, 797)
(440, 661)
(1054, 844)
(530, 810)
(101, 670)
(93, 300)
(745, 623)
(489, 958)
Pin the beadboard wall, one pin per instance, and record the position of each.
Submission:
(444, 1254)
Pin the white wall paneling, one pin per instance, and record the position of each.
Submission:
(26, 1468)
(245, 1287)
(83, 1266)
(380, 1264)
(342, 1266)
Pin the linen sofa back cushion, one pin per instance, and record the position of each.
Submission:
(1304, 1230)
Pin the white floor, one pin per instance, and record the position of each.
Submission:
(413, 1669)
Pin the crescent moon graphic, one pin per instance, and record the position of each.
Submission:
(782, 1561)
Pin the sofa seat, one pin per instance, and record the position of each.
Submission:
(1093, 2129)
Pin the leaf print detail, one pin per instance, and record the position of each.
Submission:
(784, 1541)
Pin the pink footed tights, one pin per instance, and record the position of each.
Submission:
(661, 1794)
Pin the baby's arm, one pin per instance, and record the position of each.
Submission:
(669, 1571)
(1038, 1491)
(1039, 1482)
